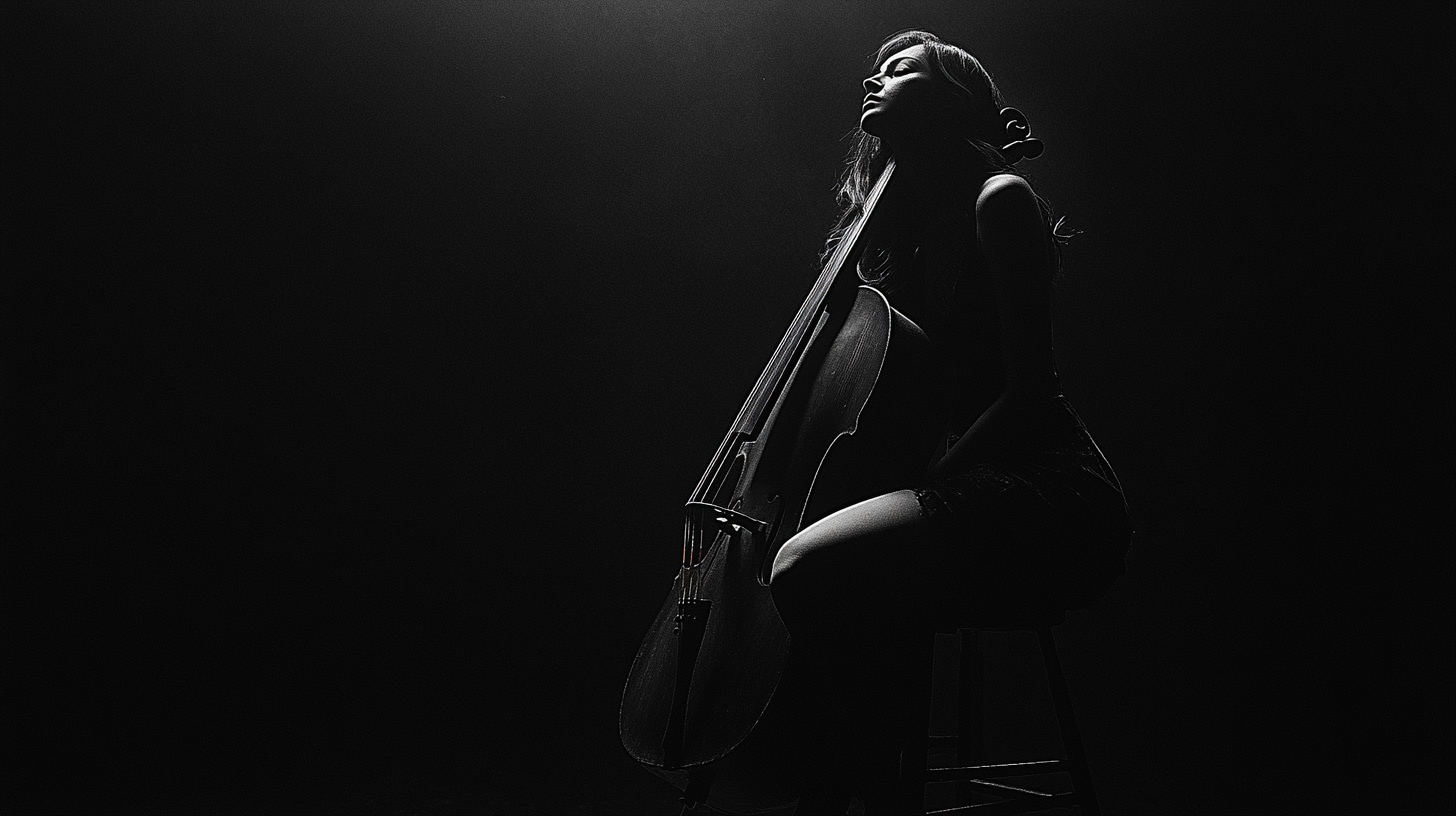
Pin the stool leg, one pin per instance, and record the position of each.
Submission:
(909, 797)
(906, 752)
(970, 707)
(1071, 737)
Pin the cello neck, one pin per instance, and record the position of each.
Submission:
(791, 346)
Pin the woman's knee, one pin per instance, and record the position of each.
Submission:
(869, 536)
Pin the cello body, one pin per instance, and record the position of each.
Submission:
(875, 381)
(857, 412)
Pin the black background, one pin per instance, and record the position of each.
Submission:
(358, 357)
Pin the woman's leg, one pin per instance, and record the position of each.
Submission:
(853, 589)
(892, 513)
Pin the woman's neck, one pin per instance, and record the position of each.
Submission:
(931, 180)
(934, 151)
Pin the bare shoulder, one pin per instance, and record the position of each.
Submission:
(1007, 210)
(1004, 193)
(1011, 230)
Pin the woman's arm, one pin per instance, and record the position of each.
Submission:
(1012, 238)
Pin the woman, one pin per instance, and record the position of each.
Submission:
(1020, 510)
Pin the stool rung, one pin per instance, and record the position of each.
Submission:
(997, 789)
(1020, 805)
(958, 750)
(1048, 766)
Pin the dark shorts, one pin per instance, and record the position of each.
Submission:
(1045, 517)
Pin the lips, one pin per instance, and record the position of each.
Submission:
(869, 100)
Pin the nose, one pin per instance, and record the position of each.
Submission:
(872, 84)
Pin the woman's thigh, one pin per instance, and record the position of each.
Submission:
(885, 562)
(856, 536)
(875, 560)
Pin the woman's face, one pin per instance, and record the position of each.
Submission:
(905, 99)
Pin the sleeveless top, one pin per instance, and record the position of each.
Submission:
(1045, 495)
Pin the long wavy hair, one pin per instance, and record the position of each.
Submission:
(979, 122)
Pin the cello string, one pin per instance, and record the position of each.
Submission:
(793, 340)
(690, 571)
(697, 558)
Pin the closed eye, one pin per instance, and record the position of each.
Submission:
(903, 65)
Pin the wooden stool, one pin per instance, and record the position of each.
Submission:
(967, 744)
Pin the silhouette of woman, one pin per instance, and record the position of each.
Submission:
(1021, 509)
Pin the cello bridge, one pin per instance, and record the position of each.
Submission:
(724, 520)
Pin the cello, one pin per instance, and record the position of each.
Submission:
(847, 408)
